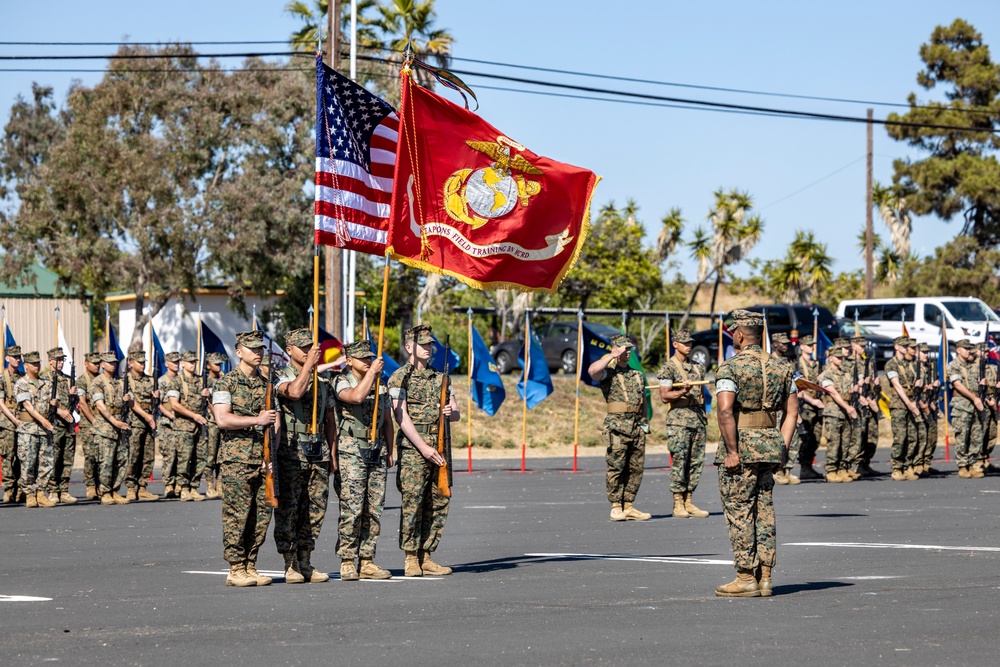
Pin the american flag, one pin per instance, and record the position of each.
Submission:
(356, 134)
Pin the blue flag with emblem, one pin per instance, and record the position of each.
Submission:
(822, 345)
(159, 364)
(594, 347)
(487, 386)
(212, 344)
(437, 357)
(539, 381)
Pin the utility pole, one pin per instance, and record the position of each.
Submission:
(869, 233)
(333, 283)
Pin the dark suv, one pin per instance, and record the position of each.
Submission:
(794, 320)
(558, 343)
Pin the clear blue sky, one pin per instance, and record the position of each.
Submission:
(661, 157)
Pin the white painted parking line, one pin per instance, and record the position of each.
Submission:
(23, 598)
(485, 507)
(874, 577)
(878, 545)
(333, 576)
(641, 559)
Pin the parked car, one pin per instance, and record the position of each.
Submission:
(795, 320)
(963, 317)
(558, 341)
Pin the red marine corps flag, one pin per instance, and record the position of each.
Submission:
(471, 203)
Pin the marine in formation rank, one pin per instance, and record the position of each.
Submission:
(966, 408)
(107, 399)
(903, 411)
(64, 430)
(34, 443)
(91, 459)
(838, 413)
(142, 434)
(810, 425)
(9, 422)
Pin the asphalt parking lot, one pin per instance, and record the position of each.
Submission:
(875, 571)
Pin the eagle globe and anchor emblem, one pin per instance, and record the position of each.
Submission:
(477, 196)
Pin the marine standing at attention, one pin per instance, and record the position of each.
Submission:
(751, 388)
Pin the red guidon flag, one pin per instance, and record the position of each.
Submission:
(472, 203)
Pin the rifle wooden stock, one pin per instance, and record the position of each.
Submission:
(270, 485)
(442, 446)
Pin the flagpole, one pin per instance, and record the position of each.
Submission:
(767, 336)
(944, 386)
(352, 255)
(576, 409)
(524, 391)
(815, 354)
(152, 352)
(198, 346)
(666, 317)
(857, 329)
(315, 333)
(469, 402)
(720, 339)
(381, 336)
(57, 326)
(107, 328)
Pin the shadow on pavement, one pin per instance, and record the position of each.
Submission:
(789, 589)
(512, 562)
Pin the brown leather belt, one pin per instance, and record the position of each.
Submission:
(756, 419)
(621, 407)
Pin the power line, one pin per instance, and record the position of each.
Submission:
(161, 43)
(150, 56)
(816, 182)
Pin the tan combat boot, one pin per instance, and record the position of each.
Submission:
(119, 499)
(743, 586)
(312, 575)
(897, 476)
(634, 514)
(7, 495)
(169, 491)
(31, 500)
(976, 471)
(211, 492)
(185, 495)
(780, 478)
(218, 486)
(66, 499)
(43, 500)
(834, 477)
(195, 496)
(617, 513)
(963, 472)
(691, 508)
(106, 499)
(411, 565)
(132, 495)
(348, 572)
(257, 576)
(792, 479)
(91, 492)
(146, 495)
(292, 573)
(909, 475)
(845, 476)
(850, 473)
(764, 583)
(679, 510)
(428, 566)
(369, 570)
(238, 576)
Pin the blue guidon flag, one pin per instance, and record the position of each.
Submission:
(356, 136)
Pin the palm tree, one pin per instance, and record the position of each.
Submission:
(888, 266)
(736, 232)
(670, 234)
(409, 22)
(892, 206)
(315, 16)
(631, 208)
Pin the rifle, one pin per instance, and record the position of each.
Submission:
(123, 416)
(203, 410)
(154, 401)
(855, 395)
(984, 415)
(53, 413)
(444, 428)
(74, 400)
(270, 468)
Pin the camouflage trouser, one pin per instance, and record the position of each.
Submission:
(968, 438)
(626, 458)
(867, 430)
(303, 493)
(932, 437)
(852, 440)
(114, 459)
(687, 447)
(189, 467)
(245, 512)
(166, 440)
(200, 456)
(35, 455)
(11, 469)
(362, 498)
(904, 439)
(812, 422)
(423, 510)
(989, 433)
(837, 432)
(141, 446)
(63, 452)
(212, 450)
(749, 509)
(91, 457)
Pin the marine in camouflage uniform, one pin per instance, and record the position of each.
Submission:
(810, 424)
(685, 424)
(415, 392)
(780, 346)
(903, 411)
(751, 389)
(866, 425)
(33, 395)
(928, 410)
(625, 427)
(186, 399)
(239, 401)
(304, 462)
(107, 397)
(64, 430)
(838, 414)
(362, 468)
(966, 406)
(166, 437)
(142, 437)
(11, 470)
(213, 481)
(989, 415)
(84, 438)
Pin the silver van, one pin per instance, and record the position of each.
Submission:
(963, 317)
